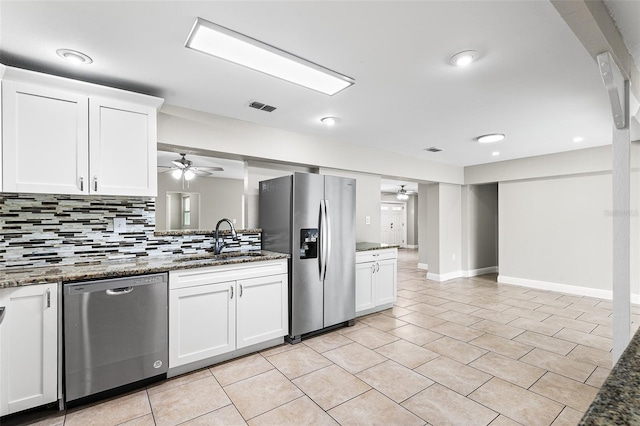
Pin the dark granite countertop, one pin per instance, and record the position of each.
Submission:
(225, 231)
(618, 401)
(17, 277)
(365, 246)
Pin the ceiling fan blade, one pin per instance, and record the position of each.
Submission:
(209, 169)
(178, 164)
(200, 172)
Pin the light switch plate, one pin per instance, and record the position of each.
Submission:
(119, 224)
(367, 220)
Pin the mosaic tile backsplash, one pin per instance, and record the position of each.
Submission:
(42, 229)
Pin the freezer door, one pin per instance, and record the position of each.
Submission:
(306, 287)
(340, 280)
(275, 214)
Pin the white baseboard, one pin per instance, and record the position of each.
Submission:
(563, 288)
(424, 266)
(459, 274)
(412, 246)
(445, 277)
(481, 271)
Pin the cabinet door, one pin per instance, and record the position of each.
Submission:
(28, 348)
(385, 281)
(262, 309)
(201, 322)
(45, 140)
(123, 148)
(365, 296)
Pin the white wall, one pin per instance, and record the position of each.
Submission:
(423, 224)
(412, 221)
(557, 231)
(450, 205)
(367, 203)
(189, 128)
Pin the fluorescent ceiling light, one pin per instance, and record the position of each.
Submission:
(495, 153)
(223, 43)
(493, 137)
(578, 139)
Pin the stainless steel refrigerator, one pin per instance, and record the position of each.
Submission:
(312, 218)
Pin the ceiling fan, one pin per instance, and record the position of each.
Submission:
(184, 169)
(403, 194)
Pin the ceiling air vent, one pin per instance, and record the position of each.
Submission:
(433, 149)
(261, 106)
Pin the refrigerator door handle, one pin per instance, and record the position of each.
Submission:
(328, 234)
(323, 246)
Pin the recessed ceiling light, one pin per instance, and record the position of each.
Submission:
(74, 56)
(462, 59)
(495, 153)
(329, 121)
(492, 137)
(578, 139)
(223, 43)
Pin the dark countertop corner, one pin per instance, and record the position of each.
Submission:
(618, 401)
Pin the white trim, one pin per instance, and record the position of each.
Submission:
(481, 271)
(445, 277)
(424, 266)
(562, 288)
(412, 246)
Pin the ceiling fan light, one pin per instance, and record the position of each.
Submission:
(402, 194)
(188, 174)
(177, 174)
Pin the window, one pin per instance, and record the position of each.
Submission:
(186, 211)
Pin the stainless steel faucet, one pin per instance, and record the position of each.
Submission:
(217, 246)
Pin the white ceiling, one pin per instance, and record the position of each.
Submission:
(533, 81)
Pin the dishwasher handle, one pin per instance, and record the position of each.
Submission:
(2, 311)
(119, 291)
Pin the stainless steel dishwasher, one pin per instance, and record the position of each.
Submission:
(115, 333)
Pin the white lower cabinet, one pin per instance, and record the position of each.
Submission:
(376, 280)
(28, 347)
(216, 310)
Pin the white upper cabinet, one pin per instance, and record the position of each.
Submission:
(45, 140)
(122, 148)
(61, 136)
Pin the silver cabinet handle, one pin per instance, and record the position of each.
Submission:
(231, 287)
(48, 298)
(119, 291)
(240, 290)
(95, 183)
(377, 267)
(81, 183)
(373, 268)
(2, 311)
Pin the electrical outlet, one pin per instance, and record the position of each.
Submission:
(234, 221)
(119, 224)
(367, 220)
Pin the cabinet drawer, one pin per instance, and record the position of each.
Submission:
(225, 273)
(375, 255)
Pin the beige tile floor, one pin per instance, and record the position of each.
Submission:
(466, 351)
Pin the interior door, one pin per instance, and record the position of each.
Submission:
(393, 219)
